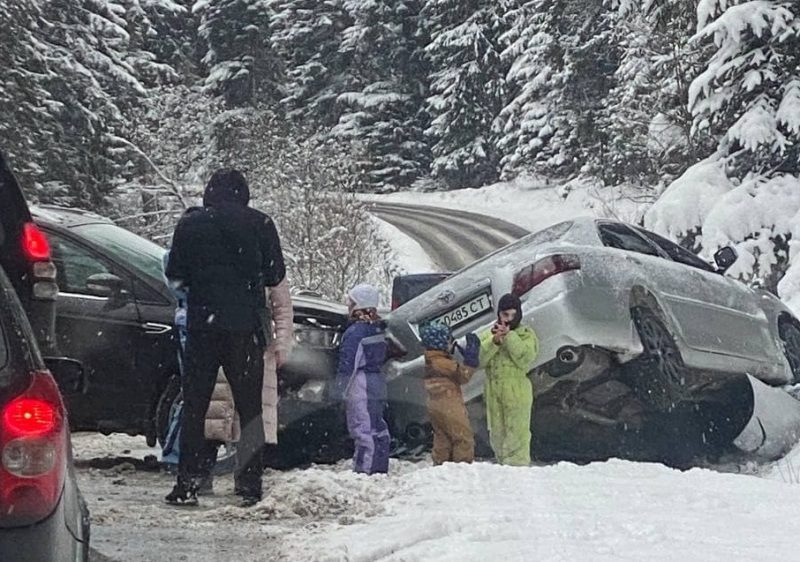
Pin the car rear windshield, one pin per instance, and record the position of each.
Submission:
(126, 247)
(545, 236)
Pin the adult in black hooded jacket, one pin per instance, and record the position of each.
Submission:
(224, 254)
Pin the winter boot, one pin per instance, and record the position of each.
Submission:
(248, 500)
(206, 487)
(182, 494)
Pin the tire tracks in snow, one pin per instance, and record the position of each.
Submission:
(453, 239)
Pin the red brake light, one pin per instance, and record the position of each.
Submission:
(29, 417)
(34, 243)
(33, 453)
(527, 278)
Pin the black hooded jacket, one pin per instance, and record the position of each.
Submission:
(225, 254)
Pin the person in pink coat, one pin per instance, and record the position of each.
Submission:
(222, 423)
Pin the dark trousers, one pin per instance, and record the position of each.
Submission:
(242, 358)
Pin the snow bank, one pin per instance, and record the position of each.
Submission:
(603, 511)
(409, 255)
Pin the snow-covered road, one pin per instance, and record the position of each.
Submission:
(451, 238)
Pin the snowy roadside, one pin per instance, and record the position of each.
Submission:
(602, 511)
(530, 203)
(408, 254)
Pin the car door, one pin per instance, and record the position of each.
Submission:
(99, 331)
(717, 314)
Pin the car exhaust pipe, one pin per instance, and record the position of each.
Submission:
(568, 358)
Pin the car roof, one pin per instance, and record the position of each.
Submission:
(65, 216)
(324, 305)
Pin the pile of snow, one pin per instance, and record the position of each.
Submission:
(602, 511)
(688, 201)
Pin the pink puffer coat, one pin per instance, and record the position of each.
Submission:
(222, 422)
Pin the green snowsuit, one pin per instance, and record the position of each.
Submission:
(509, 393)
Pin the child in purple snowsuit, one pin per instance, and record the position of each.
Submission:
(360, 383)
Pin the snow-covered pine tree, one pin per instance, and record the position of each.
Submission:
(308, 35)
(81, 83)
(241, 64)
(161, 32)
(29, 121)
(646, 116)
(749, 92)
(467, 88)
(561, 60)
(381, 114)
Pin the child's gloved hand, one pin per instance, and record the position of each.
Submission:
(471, 351)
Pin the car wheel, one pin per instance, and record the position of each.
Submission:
(790, 336)
(659, 376)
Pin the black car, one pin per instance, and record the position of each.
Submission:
(410, 286)
(116, 315)
(25, 256)
(43, 516)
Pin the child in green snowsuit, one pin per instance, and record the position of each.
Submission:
(507, 352)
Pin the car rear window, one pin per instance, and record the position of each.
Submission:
(545, 236)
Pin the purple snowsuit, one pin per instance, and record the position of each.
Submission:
(363, 388)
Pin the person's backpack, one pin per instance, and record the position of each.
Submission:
(170, 452)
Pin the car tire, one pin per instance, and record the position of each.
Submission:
(658, 377)
(789, 332)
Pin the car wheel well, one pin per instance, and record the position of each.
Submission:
(791, 349)
(642, 297)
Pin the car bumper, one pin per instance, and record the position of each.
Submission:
(49, 540)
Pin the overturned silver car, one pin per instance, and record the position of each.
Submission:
(646, 350)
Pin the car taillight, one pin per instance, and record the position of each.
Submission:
(527, 278)
(34, 243)
(33, 453)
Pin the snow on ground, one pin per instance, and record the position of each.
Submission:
(409, 255)
(603, 511)
(531, 203)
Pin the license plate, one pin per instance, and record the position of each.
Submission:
(466, 311)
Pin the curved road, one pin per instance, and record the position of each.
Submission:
(453, 239)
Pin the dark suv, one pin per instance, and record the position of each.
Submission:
(25, 256)
(115, 315)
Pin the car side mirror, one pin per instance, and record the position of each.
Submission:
(69, 375)
(725, 258)
(107, 285)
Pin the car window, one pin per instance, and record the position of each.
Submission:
(126, 247)
(545, 236)
(622, 237)
(678, 253)
(74, 265)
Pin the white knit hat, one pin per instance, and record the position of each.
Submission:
(364, 296)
